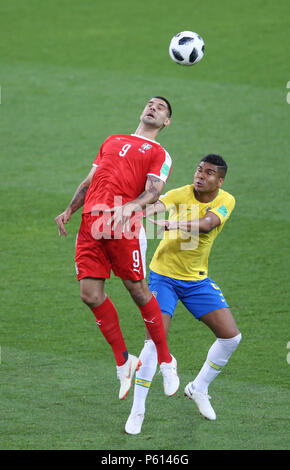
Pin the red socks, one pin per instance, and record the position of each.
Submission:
(152, 317)
(107, 319)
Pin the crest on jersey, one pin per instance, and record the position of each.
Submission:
(144, 147)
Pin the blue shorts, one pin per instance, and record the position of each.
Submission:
(199, 297)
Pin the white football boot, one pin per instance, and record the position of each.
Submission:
(170, 377)
(125, 374)
(134, 423)
(202, 402)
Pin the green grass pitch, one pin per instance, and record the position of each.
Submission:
(72, 73)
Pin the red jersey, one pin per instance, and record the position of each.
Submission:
(122, 166)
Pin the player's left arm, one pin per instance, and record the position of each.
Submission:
(204, 225)
(212, 219)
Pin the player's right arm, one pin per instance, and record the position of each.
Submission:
(76, 202)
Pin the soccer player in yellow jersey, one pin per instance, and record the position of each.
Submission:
(179, 271)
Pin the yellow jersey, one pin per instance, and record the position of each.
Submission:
(181, 255)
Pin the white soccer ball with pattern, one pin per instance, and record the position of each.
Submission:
(186, 48)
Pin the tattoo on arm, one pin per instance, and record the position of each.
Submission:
(141, 195)
(151, 186)
(153, 180)
(79, 197)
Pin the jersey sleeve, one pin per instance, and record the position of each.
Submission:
(173, 198)
(98, 158)
(224, 209)
(161, 165)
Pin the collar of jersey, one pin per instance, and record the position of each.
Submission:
(145, 138)
(204, 202)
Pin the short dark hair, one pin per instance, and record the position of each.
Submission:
(167, 102)
(218, 161)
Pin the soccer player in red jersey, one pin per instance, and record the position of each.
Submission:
(128, 173)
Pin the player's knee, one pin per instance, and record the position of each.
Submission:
(139, 291)
(232, 343)
(238, 338)
(139, 296)
(92, 299)
(236, 341)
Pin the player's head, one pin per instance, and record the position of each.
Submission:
(157, 113)
(169, 109)
(210, 173)
(218, 161)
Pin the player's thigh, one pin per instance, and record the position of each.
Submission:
(91, 260)
(163, 290)
(221, 322)
(201, 297)
(128, 256)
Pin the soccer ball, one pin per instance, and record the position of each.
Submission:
(186, 48)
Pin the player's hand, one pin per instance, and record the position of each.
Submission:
(122, 215)
(165, 225)
(61, 220)
(116, 218)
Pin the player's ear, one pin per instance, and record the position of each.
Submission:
(167, 122)
(221, 182)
